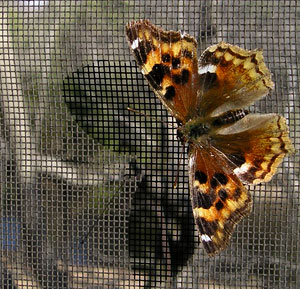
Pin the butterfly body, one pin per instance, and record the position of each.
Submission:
(195, 130)
(202, 130)
(228, 145)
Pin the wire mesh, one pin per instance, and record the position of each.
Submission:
(87, 187)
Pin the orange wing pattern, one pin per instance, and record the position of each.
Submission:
(169, 62)
(255, 145)
(231, 78)
(218, 197)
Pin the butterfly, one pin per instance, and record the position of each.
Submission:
(228, 145)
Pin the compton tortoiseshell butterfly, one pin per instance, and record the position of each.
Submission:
(228, 145)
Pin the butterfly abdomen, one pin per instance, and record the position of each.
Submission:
(229, 117)
(198, 127)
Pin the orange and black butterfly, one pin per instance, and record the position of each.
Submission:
(228, 145)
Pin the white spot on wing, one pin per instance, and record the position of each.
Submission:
(135, 44)
(207, 68)
(243, 169)
(205, 238)
(182, 34)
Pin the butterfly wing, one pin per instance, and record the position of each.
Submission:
(219, 199)
(231, 78)
(255, 146)
(168, 60)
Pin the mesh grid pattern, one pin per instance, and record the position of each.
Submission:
(87, 187)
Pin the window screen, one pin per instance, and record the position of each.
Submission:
(87, 187)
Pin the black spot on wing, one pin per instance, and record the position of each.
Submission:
(170, 92)
(219, 205)
(166, 57)
(156, 75)
(223, 194)
(201, 177)
(175, 63)
(213, 183)
(218, 179)
(182, 78)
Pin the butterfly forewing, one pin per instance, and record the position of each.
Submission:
(169, 62)
(231, 78)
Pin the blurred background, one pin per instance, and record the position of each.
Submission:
(87, 187)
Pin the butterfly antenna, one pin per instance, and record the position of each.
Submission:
(149, 116)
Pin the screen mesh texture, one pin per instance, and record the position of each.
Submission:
(87, 187)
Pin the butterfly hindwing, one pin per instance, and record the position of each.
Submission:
(255, 146)
(219, 199)
(168, 60)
